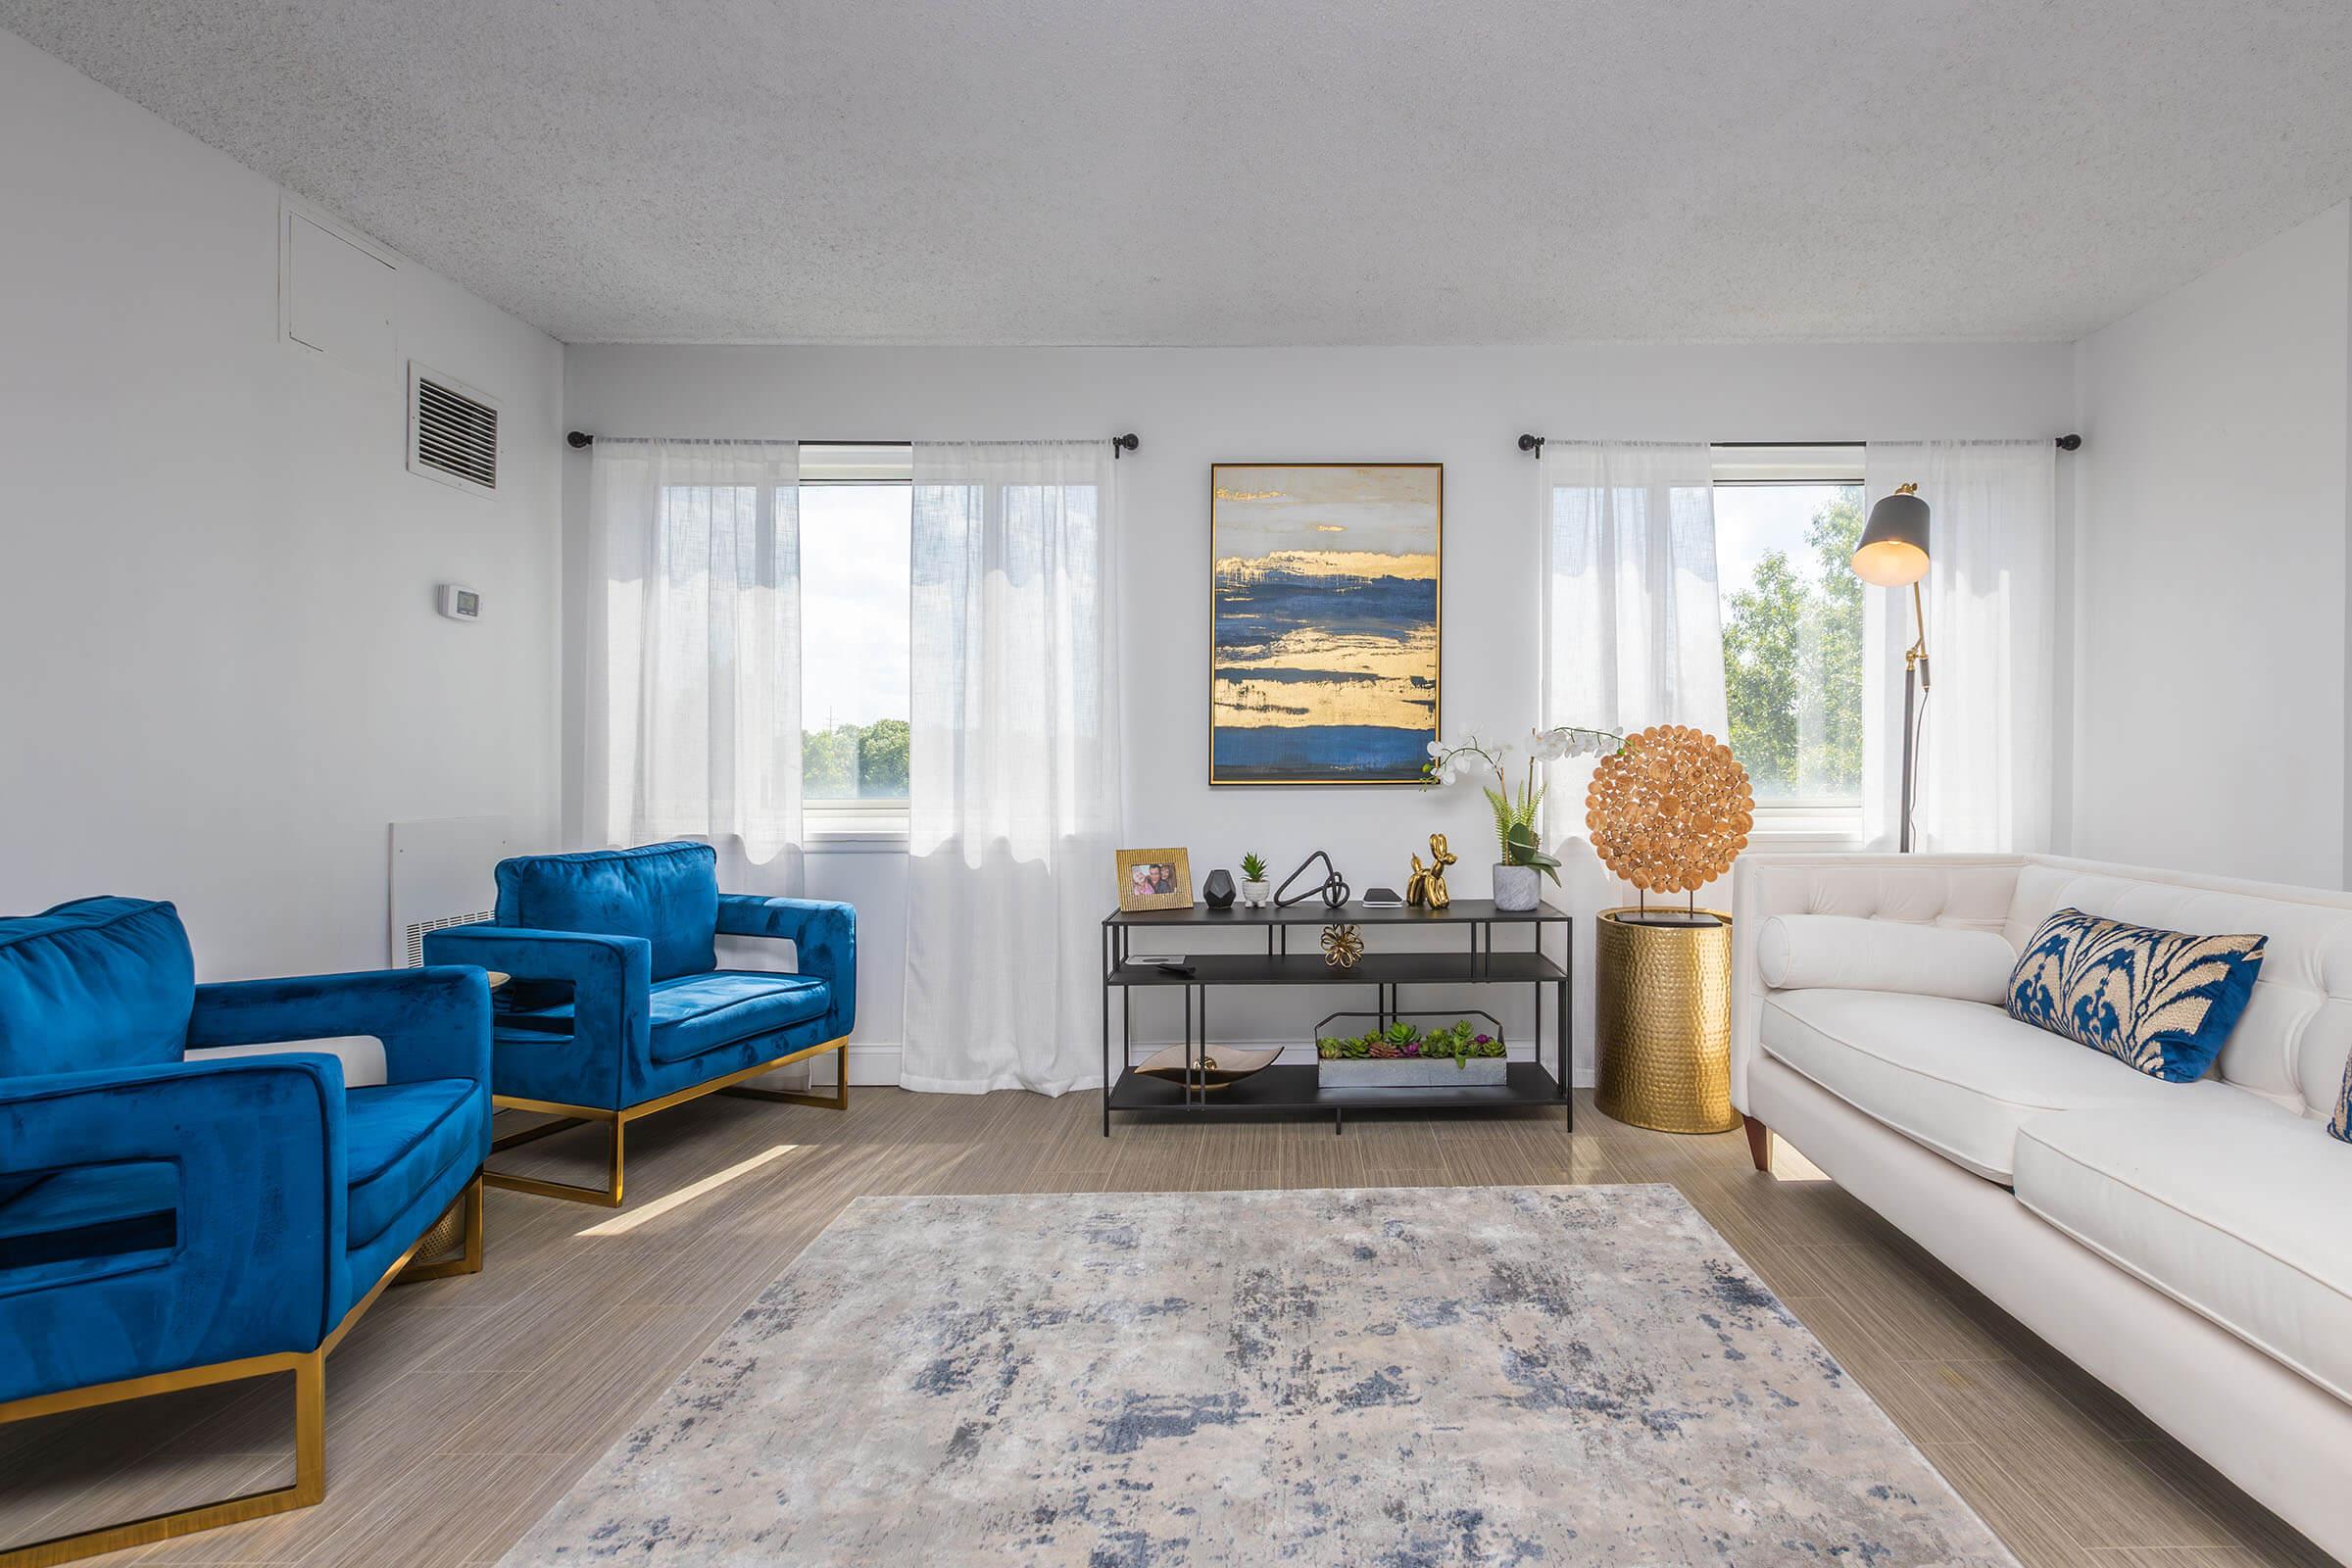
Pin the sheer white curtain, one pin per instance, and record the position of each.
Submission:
(1984, 777)
(1632, 634)
(1013, 794)
(693, 648)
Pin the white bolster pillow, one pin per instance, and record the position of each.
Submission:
(1800, 952)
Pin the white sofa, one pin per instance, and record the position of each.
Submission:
(2191, 1245)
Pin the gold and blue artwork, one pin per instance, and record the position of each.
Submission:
(1323, 623)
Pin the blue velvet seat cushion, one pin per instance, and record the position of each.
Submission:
(666, 892)
(102, 982)
(693, 1014)
(89, 1211)
(396, 1139)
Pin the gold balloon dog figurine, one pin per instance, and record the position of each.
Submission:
(1427, 889)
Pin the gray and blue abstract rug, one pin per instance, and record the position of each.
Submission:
(1394, 1378)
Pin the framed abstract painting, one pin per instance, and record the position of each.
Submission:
(1323, 621)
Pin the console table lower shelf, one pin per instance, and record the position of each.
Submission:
(1292, 1088)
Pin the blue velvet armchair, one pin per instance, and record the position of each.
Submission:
(168, 1223)
(617, 1007)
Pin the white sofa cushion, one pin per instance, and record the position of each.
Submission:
(1806, 951)
(1959, 1077)
(2235, 1211)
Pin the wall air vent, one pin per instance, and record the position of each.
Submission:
(443, 875)
(453, 431)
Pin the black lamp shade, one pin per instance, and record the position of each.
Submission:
(1894, 551)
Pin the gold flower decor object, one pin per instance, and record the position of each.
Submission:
(1671, 810)
(1342, 945)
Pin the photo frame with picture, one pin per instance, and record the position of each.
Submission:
(1154, 879)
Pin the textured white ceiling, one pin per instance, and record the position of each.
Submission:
(1222, 172)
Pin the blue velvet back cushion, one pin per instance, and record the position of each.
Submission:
(2163, 1001)
(95, 983)
(664, 893)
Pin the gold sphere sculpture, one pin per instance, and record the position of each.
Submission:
(1671, 810)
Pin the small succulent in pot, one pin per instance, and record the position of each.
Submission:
(1257, 892)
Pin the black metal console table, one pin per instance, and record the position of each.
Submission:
(1286, 1087)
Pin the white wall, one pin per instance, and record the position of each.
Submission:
(1462, 407)
(2212, 591)
(224, 671)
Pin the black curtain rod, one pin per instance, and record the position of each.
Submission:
(1534, 443)
(577, 440)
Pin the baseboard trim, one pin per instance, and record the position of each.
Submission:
(875, 1063)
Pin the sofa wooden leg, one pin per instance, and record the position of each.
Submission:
(1759, 1144)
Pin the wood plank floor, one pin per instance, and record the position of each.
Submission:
(459, 1412)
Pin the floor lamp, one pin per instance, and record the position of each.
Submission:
(1893, 554)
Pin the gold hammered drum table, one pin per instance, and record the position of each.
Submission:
(1664, 1017)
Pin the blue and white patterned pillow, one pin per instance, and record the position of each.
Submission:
(2341, 1125)
(2163, 1001)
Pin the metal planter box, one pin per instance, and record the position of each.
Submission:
(1409, 1072)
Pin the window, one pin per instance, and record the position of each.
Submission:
(1787, 518)
(856, 510)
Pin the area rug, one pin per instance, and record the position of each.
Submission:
(1394, 1376)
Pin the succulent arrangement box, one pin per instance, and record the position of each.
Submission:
(1406, 1055)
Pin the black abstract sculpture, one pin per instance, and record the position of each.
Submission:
(1334, 887)
(1217, 891)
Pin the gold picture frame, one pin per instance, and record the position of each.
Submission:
(1154, 879)
(1311, 563)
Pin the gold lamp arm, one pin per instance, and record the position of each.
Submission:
(1915, 656)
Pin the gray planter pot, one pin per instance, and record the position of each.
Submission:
(1410, 1072)
(1517, 887)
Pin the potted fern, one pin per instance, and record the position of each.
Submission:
(1257, 892)
(1517, 884)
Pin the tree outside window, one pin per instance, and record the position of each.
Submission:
(1793, 637)
(855, 639)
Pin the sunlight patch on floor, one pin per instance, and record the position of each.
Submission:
(622, 1224)
(1788, 1165)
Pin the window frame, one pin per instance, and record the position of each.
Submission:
(857, 826)
(1817, 824)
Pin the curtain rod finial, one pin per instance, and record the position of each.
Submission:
(1121, 445)
(2068, 443)
(1532, 443)
(576, 439)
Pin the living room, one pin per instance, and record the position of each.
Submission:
(672, 629)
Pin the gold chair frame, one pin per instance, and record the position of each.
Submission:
(309, 1412)
(615, 1123)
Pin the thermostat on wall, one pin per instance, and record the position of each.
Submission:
(461, 604)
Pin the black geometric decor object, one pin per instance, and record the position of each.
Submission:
(1334, 887)
(1217, 891)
